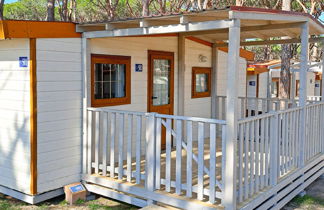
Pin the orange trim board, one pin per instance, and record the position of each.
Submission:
(248, 55)
(33, 117)
(37, 29)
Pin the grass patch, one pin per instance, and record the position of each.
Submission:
(308, 200)
(80, 202)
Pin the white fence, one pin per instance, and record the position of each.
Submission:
(274, 145)
(173, 154)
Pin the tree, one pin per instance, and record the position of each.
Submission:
(1, 9)
(284, 81)
(50, 10)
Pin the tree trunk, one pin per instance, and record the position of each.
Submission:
(50, 10)
(1, 9)
(284, 81)
(239, 2)
(145, 11)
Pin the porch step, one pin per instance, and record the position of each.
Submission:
(154, 207)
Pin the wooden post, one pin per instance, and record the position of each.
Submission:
(181, 73)
(86, 100)
(322, 80)
(214, 107)
(150, 154)
(274, 137)
(303, 88)
(293, 86)
(269, 82)
(229, 180)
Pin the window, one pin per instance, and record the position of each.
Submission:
(110, 80)
(275, 88)
(201, 82)
(297, 88)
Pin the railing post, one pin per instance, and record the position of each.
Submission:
(274, 143)
(229, 181)
(150, 137)
(303, 89)
(322, 79)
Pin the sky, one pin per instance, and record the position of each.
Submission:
(10, 1)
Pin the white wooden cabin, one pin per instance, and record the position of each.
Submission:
(58, 98)
(146, 132)
(40, 108)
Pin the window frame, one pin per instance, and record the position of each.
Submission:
(276, 80)
(200, 70)
(112, 59)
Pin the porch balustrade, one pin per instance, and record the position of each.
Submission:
(171, 159)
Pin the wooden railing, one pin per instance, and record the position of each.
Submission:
(174, 154)
(273, 145)
(314, 98)
(314, 142)
(251, 106)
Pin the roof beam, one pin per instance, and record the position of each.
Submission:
(270, 42)
(252, 28)
(267, 16)
(176, 28)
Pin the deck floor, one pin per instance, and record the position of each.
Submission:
(174, 170)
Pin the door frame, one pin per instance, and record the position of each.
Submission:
(166, 55)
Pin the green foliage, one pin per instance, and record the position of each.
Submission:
(80, 202)
(26, 10)
(308, 200)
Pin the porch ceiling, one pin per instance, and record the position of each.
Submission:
(255, 23)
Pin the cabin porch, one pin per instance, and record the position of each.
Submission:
(244, 156)
(126, 155)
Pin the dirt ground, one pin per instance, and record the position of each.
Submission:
(313, 200)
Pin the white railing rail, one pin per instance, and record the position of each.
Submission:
(269, 147)
(252, 106)
(314, 142)
(314, 98)
(126, 145)
(110, 133)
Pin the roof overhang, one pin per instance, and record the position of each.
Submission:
(211, 25)
(37, 29)
(258, 68)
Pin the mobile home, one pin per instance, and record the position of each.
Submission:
(147, 111)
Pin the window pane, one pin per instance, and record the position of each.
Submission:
(161, 82)
(201, 83)
(110, 81)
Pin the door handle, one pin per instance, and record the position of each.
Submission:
(154, 97)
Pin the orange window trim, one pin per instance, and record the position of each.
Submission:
(33, 117)
(200, 70)
(112, 59)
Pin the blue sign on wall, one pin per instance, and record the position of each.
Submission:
(23, 62)
(317, 85)
(138, 67)
(77, 188)
(252, 83)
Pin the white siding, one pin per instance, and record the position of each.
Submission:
(196, 107)
(251, 85)
(317, 91)
(222, 75)
(263, 82)
(14, 116)
(137, 48)
(59, 103)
